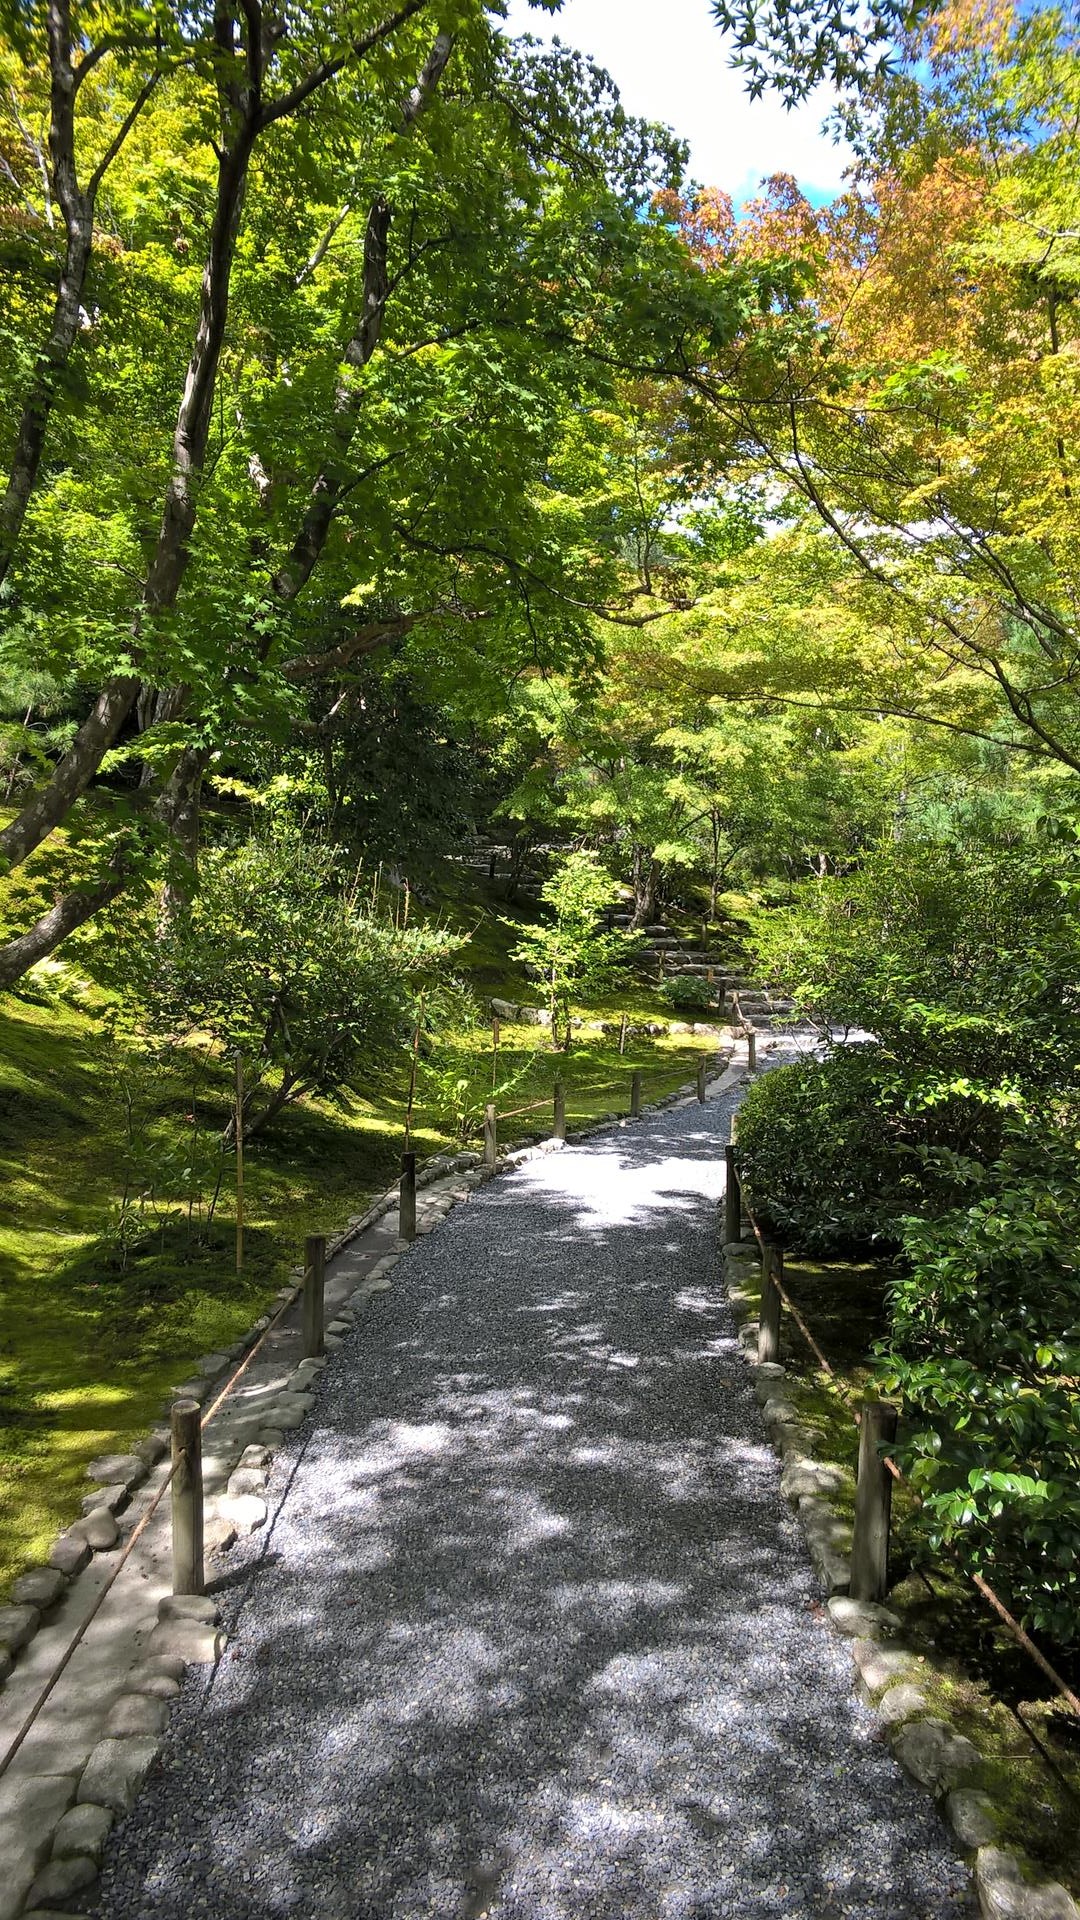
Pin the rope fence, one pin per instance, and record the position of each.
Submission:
(186, 1467)
(877, 1420)
(184, 1476)
(556, 1102)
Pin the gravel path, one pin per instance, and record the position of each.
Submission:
(533, 1634)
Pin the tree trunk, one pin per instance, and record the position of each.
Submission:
(165, 575)
(77, 208)
(180, 808)
(70, 912)
(74, 771)
(335, 471)
(645, 877)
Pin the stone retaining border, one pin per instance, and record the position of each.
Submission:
(928, 1748)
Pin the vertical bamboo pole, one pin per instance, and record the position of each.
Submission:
(187, 1498)
(558, 1130)
(314, 1285)
(495, 1032)
(491, 1135)
(635, 1096)
(239, 1165)
(407, 1198)
(873, 1502)
(732, 1197)
(772, 1270)
(412, 1071)
(622, 1033)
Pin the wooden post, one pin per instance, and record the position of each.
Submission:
(407, 1198)
(187, 1498)
(239, 1165)
(314, 1279)
(622, 1033)
(701, 1080)
(732, 1197)
(496, 1030)
(635, 1096)
(772, 1270)
(491, 867)
(751, 1051)
(873, 1503)
(558, 1130)
(491, 1137)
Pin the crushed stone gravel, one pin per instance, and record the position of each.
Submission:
(531, 1634)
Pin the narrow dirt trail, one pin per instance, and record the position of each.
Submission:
(532, 1634)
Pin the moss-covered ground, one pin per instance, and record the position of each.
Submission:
(104, 1303)
(973, 1670)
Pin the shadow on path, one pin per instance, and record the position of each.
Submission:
(533, 1634)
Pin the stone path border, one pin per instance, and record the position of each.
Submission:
(98, 1734)
(927, 1746)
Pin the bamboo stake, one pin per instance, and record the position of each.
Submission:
(239, 1165)
(412, 1073)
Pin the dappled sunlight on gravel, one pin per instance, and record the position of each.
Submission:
(533, 1635)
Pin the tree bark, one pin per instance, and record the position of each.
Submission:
(645, 877)
(244, 118)
(70, 912)
(335, 472)
(77, 767)
(77, 208)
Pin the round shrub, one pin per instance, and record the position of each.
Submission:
(823, 1155)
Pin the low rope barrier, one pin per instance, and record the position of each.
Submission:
(1020, 1635)
(136, 1533)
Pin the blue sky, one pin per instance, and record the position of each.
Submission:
(670, 63)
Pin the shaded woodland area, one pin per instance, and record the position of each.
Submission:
(402, 456)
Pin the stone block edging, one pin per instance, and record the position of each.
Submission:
(930, 1750)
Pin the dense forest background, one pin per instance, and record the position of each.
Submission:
(402, 455)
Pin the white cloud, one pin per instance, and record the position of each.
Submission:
(670, 63)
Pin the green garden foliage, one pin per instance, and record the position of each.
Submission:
(570, 952)
(820, 1155)
(985, 1351)
(300, 979)
(951, 1138)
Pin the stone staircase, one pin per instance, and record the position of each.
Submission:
(662, 954)
(672, 955)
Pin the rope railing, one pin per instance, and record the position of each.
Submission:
(557, 1103)
(182, 1457)
(772, 1271)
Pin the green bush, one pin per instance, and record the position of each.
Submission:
(689, 990)
(985, 1351)
(277, 964)
(821, 1154)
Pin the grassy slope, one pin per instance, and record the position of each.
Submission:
(88, 1350)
